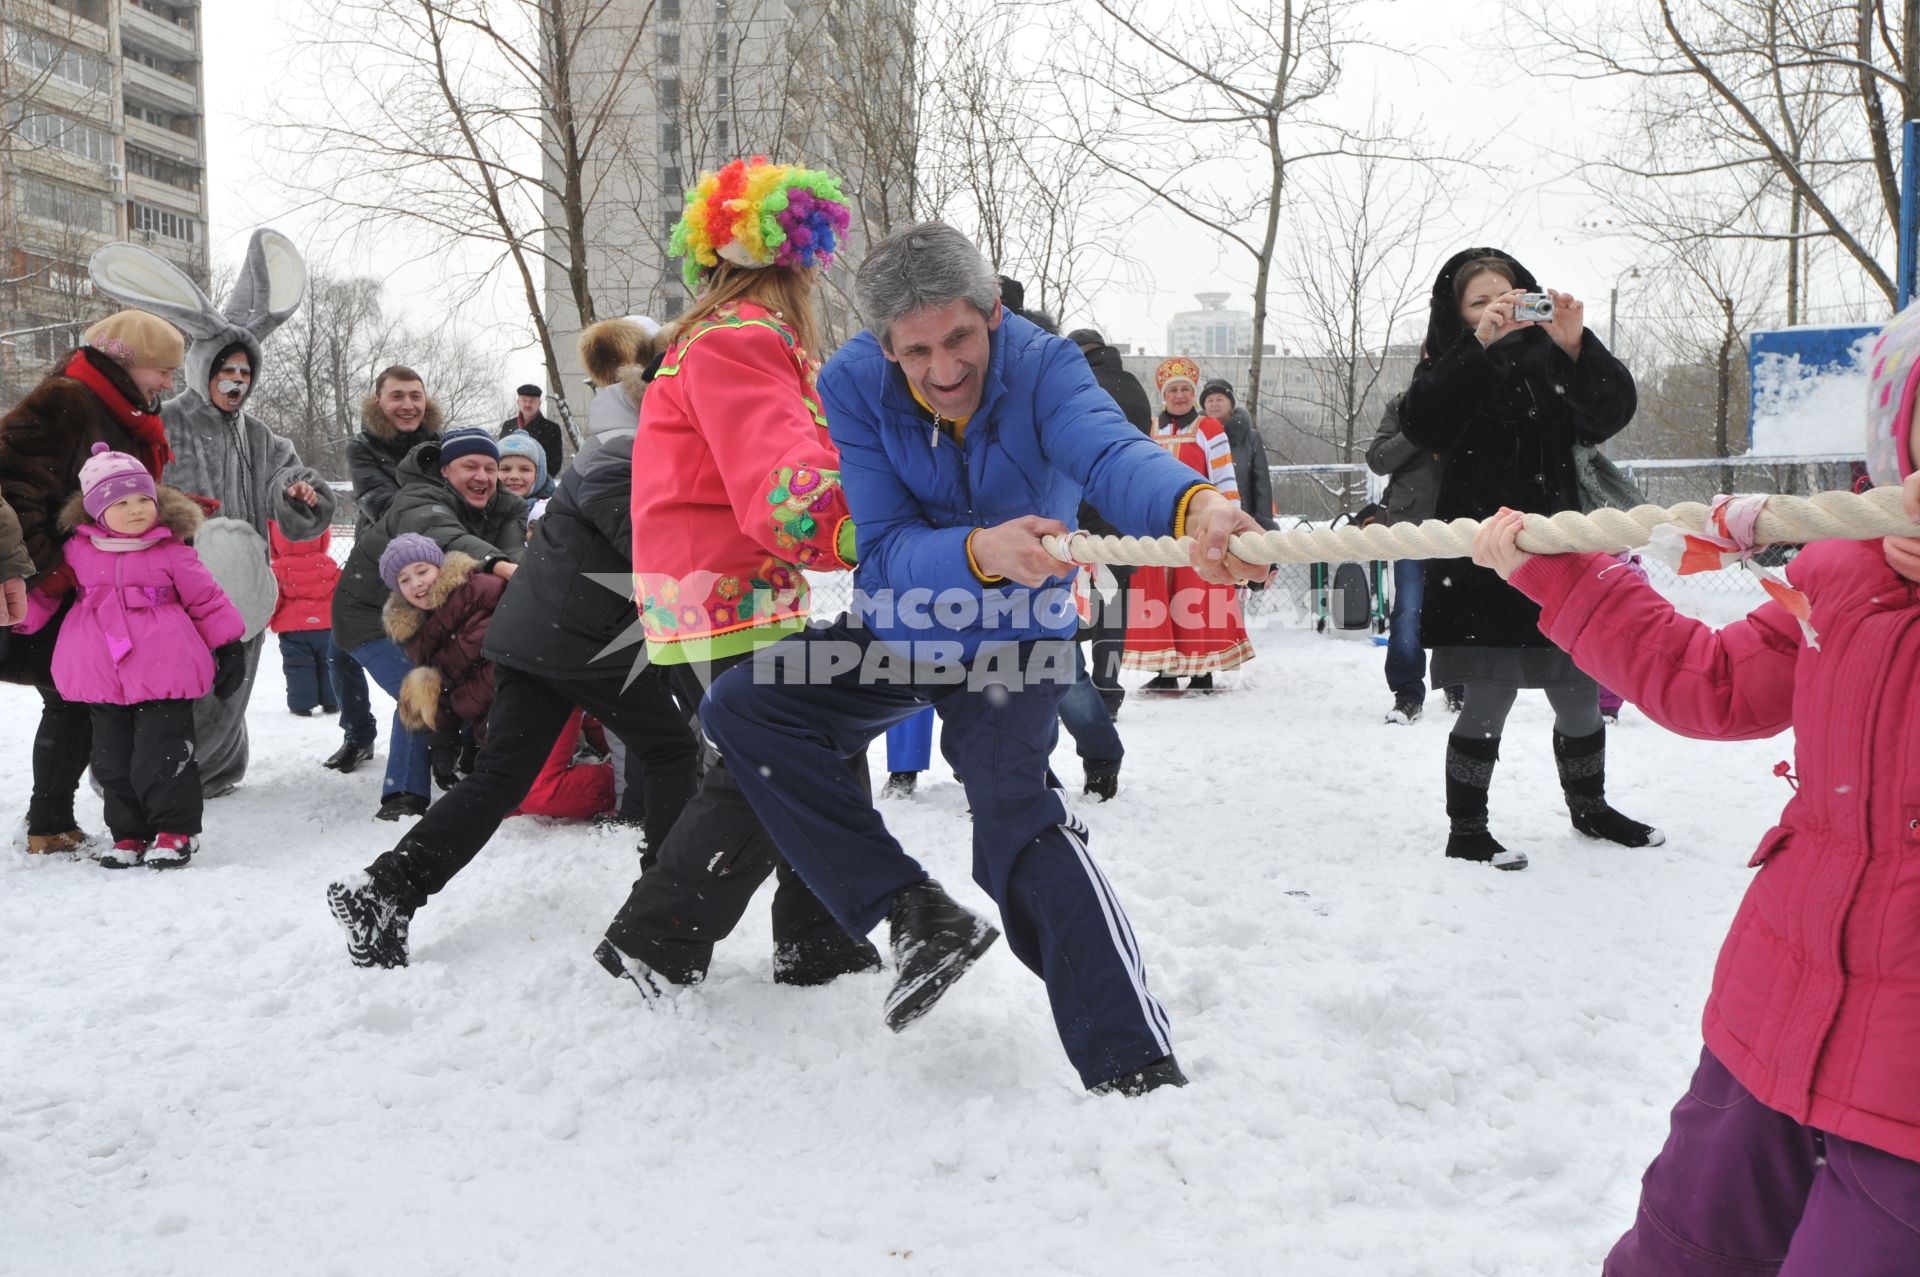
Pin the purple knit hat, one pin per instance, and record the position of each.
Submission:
(408, 547)
(109, 476)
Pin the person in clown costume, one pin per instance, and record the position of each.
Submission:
(741, 493)
(1177, 624)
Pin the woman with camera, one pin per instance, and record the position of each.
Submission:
(1510, 382)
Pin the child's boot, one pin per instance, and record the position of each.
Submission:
(124, 854)
(170, 851)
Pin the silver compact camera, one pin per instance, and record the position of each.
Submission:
(1535, 306)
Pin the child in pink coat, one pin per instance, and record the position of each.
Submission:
(140, 645)
(1796, 1149)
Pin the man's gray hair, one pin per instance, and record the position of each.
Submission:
(928, 265)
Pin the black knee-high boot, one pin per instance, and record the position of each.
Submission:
(1469, 776)
(1582, 761)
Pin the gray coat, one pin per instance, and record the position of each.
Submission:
(236, 460)
(1413, 490)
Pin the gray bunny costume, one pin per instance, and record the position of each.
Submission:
(232, 458)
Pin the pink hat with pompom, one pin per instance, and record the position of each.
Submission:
(109, 476)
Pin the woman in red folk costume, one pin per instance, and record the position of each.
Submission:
(1178, 624)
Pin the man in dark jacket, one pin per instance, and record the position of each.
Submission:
(450, 493)
(1413, 487)
(562, 637)
(530, 419)
(1249, 450)
(1109, 640)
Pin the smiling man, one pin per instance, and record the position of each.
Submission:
(966, 434)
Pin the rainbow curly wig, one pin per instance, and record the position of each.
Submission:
(755, 214)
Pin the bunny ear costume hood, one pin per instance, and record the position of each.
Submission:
(231, 457)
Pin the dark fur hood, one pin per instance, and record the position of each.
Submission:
(374, 422)
(1445, 328)
(403, 620)
(180, 514)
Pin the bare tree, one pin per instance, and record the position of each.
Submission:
(1211, 116)
(1778, 120)
(1358, 241)
(484, 122)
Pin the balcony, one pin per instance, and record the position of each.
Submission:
(144, 84)
(161, 195)
(181, 146)
(140, 29)
(87, 31)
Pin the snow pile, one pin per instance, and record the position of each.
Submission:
(1400, 1066)
(1806, 410)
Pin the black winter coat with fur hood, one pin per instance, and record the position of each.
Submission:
(374, 456)
(1507, 418)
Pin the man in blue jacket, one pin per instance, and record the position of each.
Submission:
(966, 435)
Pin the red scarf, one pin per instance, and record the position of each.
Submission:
(146, 427)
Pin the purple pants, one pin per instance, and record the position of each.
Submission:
(1742, 1189)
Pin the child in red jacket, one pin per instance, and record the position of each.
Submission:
(307, 574)
(1796, 1150)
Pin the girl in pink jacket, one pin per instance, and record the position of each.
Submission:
(1796, 1149)
(140, 645)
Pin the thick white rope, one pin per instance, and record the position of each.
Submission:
(1824, 516)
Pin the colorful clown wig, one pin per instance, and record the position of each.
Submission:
(756, 214)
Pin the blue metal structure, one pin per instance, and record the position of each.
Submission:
(1909, 207)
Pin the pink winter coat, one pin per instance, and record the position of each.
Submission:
(1816, 997)
(146, 620)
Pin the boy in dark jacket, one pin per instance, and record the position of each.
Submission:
(306, 574)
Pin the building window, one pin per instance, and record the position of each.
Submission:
(722, 92)
(670, 49)
(167, 224)
(64, 204)
(670, 10)
(719, 52)
(670, 309)
(669, 95)
(159, 168)
(673, 220)
(44, 129)
(55, 276)
(723, 136)
(671, 185)
(669, 135)
(720, 13)
(56, 58)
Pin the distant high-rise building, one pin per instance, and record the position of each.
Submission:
(798, 81)
(1213, 330)
(102, 138)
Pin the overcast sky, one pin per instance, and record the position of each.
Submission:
(1461, 86)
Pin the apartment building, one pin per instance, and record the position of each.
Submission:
(102, 138)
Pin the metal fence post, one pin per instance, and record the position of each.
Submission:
(1909, 206)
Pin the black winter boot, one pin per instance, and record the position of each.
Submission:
(349, 756)
(1582, 761)
(935, 940)
(1469, 776)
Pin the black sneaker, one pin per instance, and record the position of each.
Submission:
(652, 985)
(1164, 1071)
(349, 756)
(935, 940)
(403, 804)
(375, 924)
(1102, 785)
(1405, 710)
(809, 963)
(900, 784)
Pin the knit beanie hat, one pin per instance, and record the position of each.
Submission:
(1219, 386)
(109, 476)
(522, 444)
(137, 339)
(408, 547)
(1084, 337)
(467, 441)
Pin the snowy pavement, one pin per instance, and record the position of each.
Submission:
(1400, 1065)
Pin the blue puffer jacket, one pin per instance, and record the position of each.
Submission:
(1045, 432)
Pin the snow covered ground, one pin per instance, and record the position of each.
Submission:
(1400, 1066)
